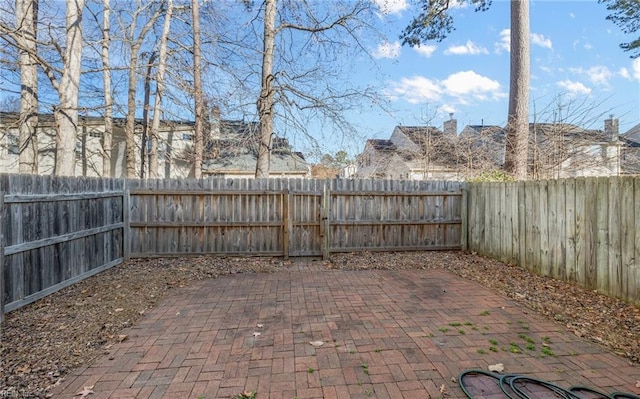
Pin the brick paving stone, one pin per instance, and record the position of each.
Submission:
(413, 329)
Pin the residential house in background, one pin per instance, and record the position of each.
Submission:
(556, 150)
(223, 138)
(412, 153)
(630, 162)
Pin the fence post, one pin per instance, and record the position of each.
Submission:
(324, 222)
(286, 223)
(464, 216)
(126, 220)
(2, 243)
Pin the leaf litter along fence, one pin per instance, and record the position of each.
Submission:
(59, 230)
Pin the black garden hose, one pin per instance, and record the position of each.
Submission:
(513, 387)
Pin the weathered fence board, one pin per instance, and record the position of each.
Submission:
(584, 230)
(291, 217)
(56, 231)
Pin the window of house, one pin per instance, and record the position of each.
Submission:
(13, 144)
(95, 133)
(187, 137)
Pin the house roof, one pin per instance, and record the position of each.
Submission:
(568, 130)
(381, 145)
(633, 134)
(418, 134)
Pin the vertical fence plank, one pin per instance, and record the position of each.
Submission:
(571, 226)
(286, 225)
(614, 242)
(628, 232)
(602, 248)
(2, 260)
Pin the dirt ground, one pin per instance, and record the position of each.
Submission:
(41, 343)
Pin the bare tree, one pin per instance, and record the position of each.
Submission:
(66, 114)
(26, 20)
(108, 98)
(333, 28)
(157, 109)
(135, 43)
(197, 87)
(265, 101)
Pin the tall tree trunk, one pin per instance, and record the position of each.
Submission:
(197, 85)
(145, 115)
(66, 115)
(517, 136)
(26, 20)
(265, 102)
(108, 100)
(157, 110)
(130, 118)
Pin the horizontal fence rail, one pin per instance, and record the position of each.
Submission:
(585, 230)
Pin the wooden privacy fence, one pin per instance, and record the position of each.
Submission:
(56, 231)
(584, 230)
(291, 217)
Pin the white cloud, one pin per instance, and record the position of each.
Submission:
(599, 75)
(459, 87)
(447, 109)
(545, 68)
(539, 40)
(470, 84)
(575, 88)
(425, 50)
(458, 4)
(416, 89)
(624, 73)
(468, 48)
(391, 6)
(635, 67)
(572, 15)
(387, 50)
(504, 43)
(587, 46)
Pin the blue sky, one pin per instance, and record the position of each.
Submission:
(578, 71)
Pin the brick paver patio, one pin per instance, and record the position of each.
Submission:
(386, 334)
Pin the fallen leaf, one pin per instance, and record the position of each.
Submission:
(86, 391)
(317, 344)
(443, 388)
(496, 368)
(638, 384)
(260, 325)
(256, 334)
(119, 310)
(122, 337)
(24, 369)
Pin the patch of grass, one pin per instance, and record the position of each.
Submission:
(485, 328)
(531, 347)
(455, 324)
(461, 332)
(526, 338)
(481, 351)
(493, 342)
(368, 392)
(493, 349)
(443, 329)
(352, 351)
(365, 368)
(485, 313)
(378, 350)
(337, 345)
(246, 395)
(547, 351)
(474, 328)
(310, 370)
(573, 353)
(546, 340)
(468, 323)
(514, 348)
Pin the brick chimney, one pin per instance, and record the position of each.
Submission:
(611, 129)
(450, 126)
(214, 121)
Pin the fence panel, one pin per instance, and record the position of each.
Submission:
(584, 230)
(56, 231)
